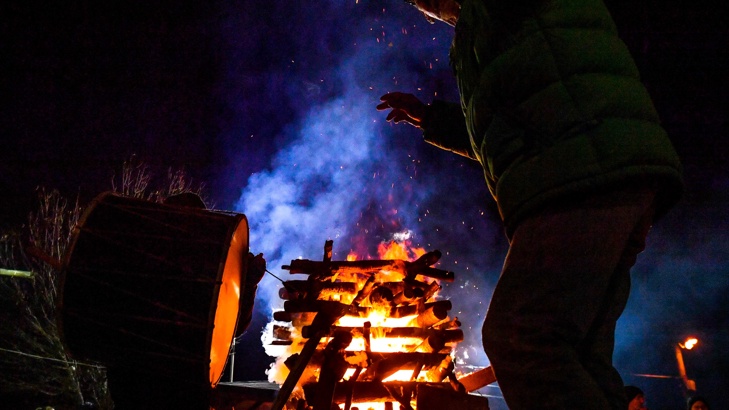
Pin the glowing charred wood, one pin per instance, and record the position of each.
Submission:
(478, 379)
(432, 315)
(297, 306)
(434, 343)
(408, 295)
(431, 289)
(322, 321)
(447, 323)
(366, 331)
(302, 289)
(365, 292)
(440, 274)
(281, 332)
(297, 319)
(395, 287)
(448, 335)
(416, 371)
(457, 386)
(409, 310)
(438, 374)
(384, 366)
(326, 269)
(426, 260)
(381, 296)
(332, 370)
(374, 391)
(328, 245)
(432, 397)
(430, 361)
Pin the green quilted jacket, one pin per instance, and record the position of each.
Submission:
(553, 106)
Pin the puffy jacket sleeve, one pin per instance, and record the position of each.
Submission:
(445, 127)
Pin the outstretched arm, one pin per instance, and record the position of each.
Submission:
(442, 123)
(405, 107)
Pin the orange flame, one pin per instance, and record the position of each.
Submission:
(689, 343)
(395, 250)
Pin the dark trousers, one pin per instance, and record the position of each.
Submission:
(550, 328)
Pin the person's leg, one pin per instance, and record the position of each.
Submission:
(556, 282)
(596, 350)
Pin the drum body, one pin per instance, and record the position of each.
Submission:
(151, 291)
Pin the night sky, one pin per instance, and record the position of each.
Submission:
(270, 104)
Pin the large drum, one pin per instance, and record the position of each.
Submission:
(152, 292)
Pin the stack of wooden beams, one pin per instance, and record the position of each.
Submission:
(344, 365)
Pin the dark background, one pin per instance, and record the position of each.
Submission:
(270, 104)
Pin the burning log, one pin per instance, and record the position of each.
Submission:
(445, 367)
(448, 335)
(368, 307)
(478, 379)
(303, 289)
(299, 306)
(322, 321)
(332, 370)
(328, 269)
(297, 319)
(381, 296)
(409, 310)
(368, 267)
(365, 292)
(281, 332)
(408, 295)
(430, 361)
(433, 314)
(430, 290)
(384, 368)
(447, 323)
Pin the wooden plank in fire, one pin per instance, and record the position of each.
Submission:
(322, 321)
(297, 306)
(302, 289)
(421, 266)
(448, 335)
(478, 379)
(429, 360)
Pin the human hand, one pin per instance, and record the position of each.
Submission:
(405, 107)
(256, 268)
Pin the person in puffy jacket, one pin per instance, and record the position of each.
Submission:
(573, 152)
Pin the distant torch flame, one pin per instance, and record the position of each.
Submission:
(689, 343)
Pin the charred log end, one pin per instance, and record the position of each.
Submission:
(478, 379)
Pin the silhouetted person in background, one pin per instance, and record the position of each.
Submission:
(553, 109)
(697, 403)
